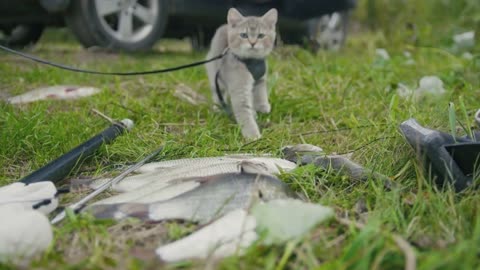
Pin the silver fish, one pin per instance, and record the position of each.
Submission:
(215, 196)
(168, 188)
(206, 161)
(159, 173)
(160, 177)
(342, 165)
(54, 92)
(304, 154)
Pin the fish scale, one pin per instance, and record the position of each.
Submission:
(167, 191)
(185, 162)
(158, 178)
(168, 172)
(188, 162)
(149, 191)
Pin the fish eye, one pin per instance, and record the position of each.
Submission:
(243, 35)
(261, 35)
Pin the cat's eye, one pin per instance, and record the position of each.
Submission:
(261, 35)
(243, 35)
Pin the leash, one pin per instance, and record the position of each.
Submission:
(134, 73)
(219, 93)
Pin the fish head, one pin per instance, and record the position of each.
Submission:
(119, 211)
(270, 188)
(301, 153)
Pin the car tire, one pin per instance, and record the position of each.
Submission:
(78, 19)
(22, 35)
(201, 39)
(117, 25)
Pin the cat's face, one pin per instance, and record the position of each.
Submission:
(251, 37)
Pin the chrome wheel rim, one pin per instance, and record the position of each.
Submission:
(127, 20)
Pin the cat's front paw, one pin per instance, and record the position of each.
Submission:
(251, 133)
(216, 108)
(263, 108)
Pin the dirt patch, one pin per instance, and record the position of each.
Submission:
(89, 56)
(115, 247)
(4, 94)
(142, 235)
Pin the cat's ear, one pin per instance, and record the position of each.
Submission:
(271, 17)
(234, 17)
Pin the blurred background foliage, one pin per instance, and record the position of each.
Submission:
(419, 22)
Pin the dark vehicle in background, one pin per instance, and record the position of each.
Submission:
(137, 24)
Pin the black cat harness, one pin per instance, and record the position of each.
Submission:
(256, 67)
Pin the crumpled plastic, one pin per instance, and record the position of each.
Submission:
(382, 54)
(273, 222)
(231, 233)
(25, 230)
(428, 86)
(54, 92)
(464, 41)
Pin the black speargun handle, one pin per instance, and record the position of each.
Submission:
(62, 166)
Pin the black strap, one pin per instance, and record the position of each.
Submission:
(217, 89)
(256, 67)
(42, 203)
(36, 59)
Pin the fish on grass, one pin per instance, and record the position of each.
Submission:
(54, 92)
(166, 185)
(215, 196)
(157, 174)
(206, 161)
(304, 154)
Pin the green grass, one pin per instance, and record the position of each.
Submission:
(311, 95)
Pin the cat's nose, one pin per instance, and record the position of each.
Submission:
(253, 43)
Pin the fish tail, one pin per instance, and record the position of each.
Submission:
(120, 211)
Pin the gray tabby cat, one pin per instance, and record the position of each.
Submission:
(238, 80)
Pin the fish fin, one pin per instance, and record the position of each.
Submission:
(120, 211)
(205, 179)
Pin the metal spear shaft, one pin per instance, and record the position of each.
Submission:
(80, 204)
